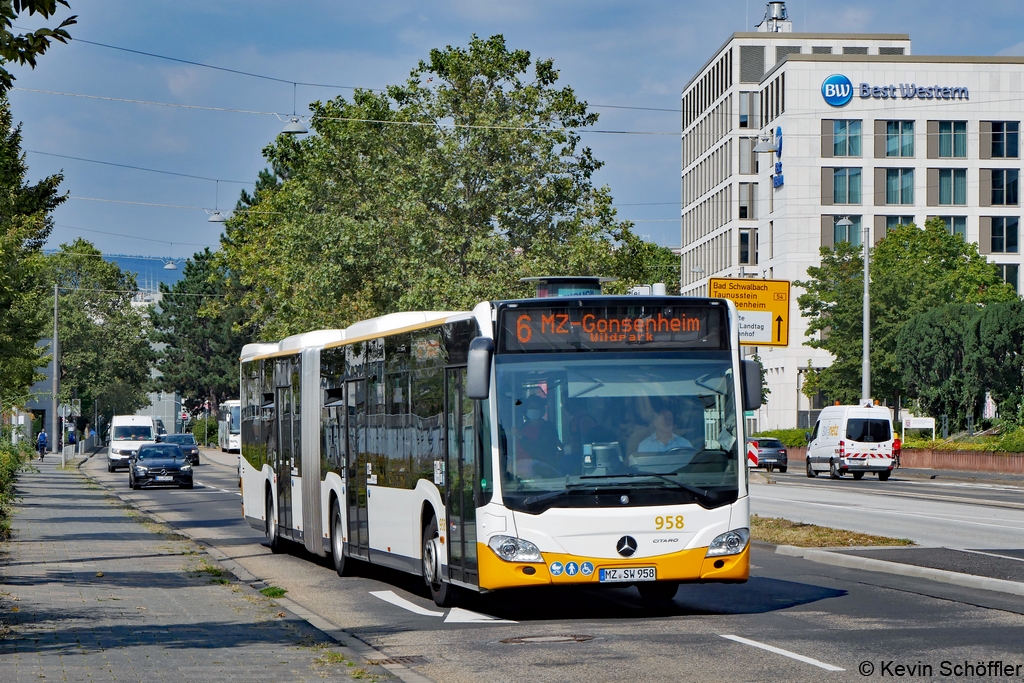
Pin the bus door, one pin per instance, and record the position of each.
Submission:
(285, 457)
(461, 480)
(355, 470)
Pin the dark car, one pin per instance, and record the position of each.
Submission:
(187, 444)
(160, 464)
(771, 454)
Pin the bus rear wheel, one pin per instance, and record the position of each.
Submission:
(273, 540)
(337, 540)
(441, 591)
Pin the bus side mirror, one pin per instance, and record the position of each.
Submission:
(478, 368)
(751, 383)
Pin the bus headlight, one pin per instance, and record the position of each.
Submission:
(512, 549)
(730, 543)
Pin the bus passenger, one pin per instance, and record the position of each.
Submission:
(664, 438)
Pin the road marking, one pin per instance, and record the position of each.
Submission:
(784, 653)
(389, 596)
(458, 615)
(979, 552)
(216, 488)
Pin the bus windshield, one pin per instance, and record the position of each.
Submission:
(235, 426)
(617, 429)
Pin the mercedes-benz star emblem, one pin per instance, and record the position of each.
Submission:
(626, 546)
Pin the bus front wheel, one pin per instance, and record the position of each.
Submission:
(337, 540)
(441, 591)
(273, 540)
(657, 591)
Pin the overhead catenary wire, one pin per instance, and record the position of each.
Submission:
(138, 168)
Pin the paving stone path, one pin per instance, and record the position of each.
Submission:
(91, 592)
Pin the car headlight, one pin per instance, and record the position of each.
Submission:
(186, 467)
(730, 543)
(139, 469)
(512, 549)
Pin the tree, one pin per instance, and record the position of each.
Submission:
(434, 194)
(913, 270)
(24, 48)
(936, 352)
(104, 350)
(1000, 356)
(200, 344)
(25, 223)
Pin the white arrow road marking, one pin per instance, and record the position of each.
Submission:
(463, 616)
(389, 596)
(784, 653)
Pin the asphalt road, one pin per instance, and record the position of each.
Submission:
(819, 622)
(933, 513)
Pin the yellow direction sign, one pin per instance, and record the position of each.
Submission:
(763, 307)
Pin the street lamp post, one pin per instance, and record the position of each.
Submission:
(865, 383)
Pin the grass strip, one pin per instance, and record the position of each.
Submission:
(785, 532)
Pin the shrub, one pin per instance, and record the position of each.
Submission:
(12, 459)
(205, 430)
(790, 438)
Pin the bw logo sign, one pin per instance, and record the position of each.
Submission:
(837, 90)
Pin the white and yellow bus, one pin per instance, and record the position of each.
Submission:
(567, 440)
(229, 426)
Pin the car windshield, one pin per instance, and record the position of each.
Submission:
(868, 430)
(768, 443)
(186, 439)
(133, 433)
(160, 452)
(574, 428)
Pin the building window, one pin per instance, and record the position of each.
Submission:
(1005, 139)
(1005, 186)
(748, 191)
(952, 139)
(899, 138)
(750, 110)
(748, 247)
(1004, 235)
(846, 186)
(846, 138)
(1009, 272)
(953, 186)
(899, 186)
(957, 225)
(850, 233)
(748, 159)
(893, 222)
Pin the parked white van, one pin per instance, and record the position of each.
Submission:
(127, 433)
(854, 439)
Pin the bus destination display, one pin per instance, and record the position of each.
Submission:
(608, 328)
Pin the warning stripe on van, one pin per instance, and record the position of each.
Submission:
(862, 456)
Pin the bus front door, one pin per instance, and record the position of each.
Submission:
(355, 470)
(285, 457)
(461, 480)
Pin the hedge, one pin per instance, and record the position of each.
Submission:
(790, 438)
(12, 460)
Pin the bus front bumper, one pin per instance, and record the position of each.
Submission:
(684, 566)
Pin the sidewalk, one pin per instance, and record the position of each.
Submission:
(89, 592)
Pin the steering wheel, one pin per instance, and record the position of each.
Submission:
(538, 469)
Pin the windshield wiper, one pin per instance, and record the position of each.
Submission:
(699, 492)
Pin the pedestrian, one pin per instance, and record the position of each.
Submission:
(42, 443)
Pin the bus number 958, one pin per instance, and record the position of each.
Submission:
(667, 523)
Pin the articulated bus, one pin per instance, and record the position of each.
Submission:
(567, 440)
(229, 426)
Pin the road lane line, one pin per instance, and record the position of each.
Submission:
(216, 488)
(457, 615)
(979, 552)
(784, 653)
(389, 596)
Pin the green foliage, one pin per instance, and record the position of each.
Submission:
(1000, 357)
(912, 270)
(25, 223)
(765, 391)
(201, 342)
(104, 349)
(790, 438)
(477, 179)
(205, 430)
(23, 48)
(13, 458)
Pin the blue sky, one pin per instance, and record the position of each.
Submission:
(616, 53)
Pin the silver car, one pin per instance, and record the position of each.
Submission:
(771, 453)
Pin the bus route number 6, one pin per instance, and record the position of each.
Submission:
(523, 330)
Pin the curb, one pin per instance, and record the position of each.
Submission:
(351, 646)
(900, 569)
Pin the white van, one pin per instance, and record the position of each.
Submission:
(854, 439)
(127, 433)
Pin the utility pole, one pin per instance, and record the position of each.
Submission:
(865, 387)
(55, 349)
